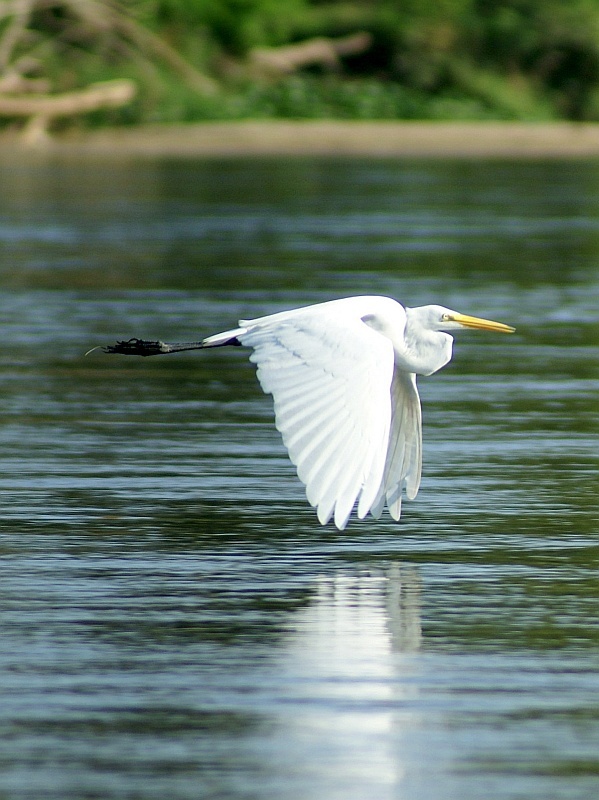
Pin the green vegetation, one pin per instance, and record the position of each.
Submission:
(221, 59)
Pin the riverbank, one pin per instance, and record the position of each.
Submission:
(324, 138)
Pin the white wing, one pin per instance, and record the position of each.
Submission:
(331, 378)
(404, 456)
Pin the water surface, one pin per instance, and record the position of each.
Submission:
(175, 623)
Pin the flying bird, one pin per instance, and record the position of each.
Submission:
(343, 379)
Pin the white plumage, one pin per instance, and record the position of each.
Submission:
(343, 378)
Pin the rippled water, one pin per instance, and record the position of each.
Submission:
(174, 621)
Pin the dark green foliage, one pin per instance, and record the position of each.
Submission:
(554, 44)
(454, 59)
(237, 25)
(521, 59)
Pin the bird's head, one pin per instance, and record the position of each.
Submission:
(444, 319)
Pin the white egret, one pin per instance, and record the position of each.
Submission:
(343, 378)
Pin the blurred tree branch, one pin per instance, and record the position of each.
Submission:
(42, 109)
(325, 52)
(26, 46)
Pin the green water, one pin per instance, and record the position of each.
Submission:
(174, 622)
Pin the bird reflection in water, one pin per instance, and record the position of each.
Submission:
(344, 677)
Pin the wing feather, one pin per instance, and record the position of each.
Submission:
(318, 467)
(296, 413)
(327, 469)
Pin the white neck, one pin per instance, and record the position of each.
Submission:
(426, 350)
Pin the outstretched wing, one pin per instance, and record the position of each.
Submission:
(331, 380)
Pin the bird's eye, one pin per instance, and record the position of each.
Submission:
(446, 317)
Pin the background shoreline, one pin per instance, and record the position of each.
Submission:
(322, 138)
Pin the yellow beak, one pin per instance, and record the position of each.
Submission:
(482, 324)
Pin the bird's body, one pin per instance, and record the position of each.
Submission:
(343, 378)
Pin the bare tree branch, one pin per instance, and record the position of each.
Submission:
(99, 18)
(326, 52)
(42, 109)
(110, 94)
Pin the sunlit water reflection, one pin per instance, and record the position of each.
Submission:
(174, 620)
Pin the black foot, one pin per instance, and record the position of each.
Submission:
(137, 347)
